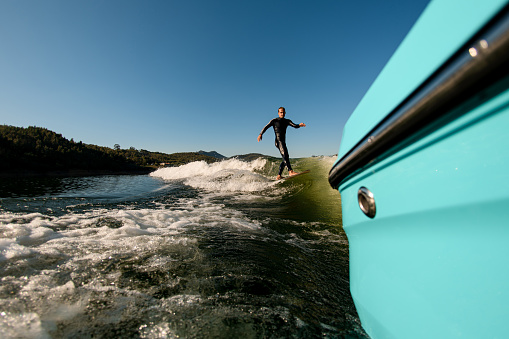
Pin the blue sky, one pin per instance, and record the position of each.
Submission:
(189, 75)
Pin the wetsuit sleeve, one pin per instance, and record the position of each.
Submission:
(267, 126)
(292, 124)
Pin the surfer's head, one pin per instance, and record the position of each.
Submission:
(281, 111)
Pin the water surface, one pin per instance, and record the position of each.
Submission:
(197, 251)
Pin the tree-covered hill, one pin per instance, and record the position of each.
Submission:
(36, 149)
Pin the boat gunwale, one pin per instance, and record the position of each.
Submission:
(477, 65)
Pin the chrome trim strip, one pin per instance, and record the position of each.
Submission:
(476, 66)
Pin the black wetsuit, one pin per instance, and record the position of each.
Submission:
(280, 125)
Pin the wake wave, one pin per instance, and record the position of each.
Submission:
(182, 264)
(231, 175)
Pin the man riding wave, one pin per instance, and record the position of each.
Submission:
(280, 125)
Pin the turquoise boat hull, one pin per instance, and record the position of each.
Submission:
(429, 241)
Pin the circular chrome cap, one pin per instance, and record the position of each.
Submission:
(366, 202)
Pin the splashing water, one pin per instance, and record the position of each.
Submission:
(202, 250)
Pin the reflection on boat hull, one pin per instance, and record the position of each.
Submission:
(424, 186)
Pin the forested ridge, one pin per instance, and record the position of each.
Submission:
(38, 149)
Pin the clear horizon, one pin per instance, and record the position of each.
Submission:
(170, 76)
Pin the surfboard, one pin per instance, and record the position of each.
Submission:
(293, 176)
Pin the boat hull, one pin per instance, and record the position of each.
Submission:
(424, 186)
(434, 262)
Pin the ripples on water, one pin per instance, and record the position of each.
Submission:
(198, 251)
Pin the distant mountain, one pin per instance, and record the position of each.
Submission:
(213, 154)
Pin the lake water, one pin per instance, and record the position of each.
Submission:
(197, 251)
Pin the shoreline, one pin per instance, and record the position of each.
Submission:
(73, 173)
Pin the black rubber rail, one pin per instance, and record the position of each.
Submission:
(479, 64)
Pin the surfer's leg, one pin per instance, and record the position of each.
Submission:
(281, 167)
(286, 158)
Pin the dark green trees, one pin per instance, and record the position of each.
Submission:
(41, 150)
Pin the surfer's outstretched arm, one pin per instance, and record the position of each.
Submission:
(294, 125)
(264, 129)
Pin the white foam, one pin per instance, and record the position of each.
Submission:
(78, 234)
(10, 249)
(230, 175)
(201, 168)
(26, 325)
(84, 242)
(38, 247)
(156, 331)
